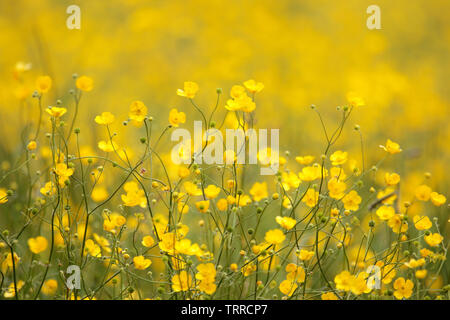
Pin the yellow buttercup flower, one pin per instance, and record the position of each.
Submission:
(38, 244)
(105, 118)
(56, 112)
(413, 263)
(43, 84)
(311, 198)
(244, 103)
(434, 239)
(351, 201)
(289, 180)
(141, 263)
(259, 191)
(92, 249)
(275, 236)
(192, 189)
(183, 172)
(181, 281)
(138, 111)
(107, 146)
(7, 263)
(237, 91)
(175, 117)
(211, 191)
(338, 158)
(403, 289)
(64, 173)
(305, 160)
(336, 188)
(305, 255)
(206, 275)
(391, 147)
(437, 199)
(385, 212)
(253, 86)
(421, 274)
(397, 224)
(189, 90)
(391, 179)
(113, 221)
(343, 281)
(312, 173)
(85, 83)
(222, 204)
(422, 222)
(148, 241)
(202, 206)
(288, 287)
(286, 222)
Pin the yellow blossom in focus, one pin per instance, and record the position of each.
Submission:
(211, 191)
(311, 198)
(202, 206)
(397, 224)
(338, 158)
(138, 111)
(305, 255)
(286, 222)
(275, 236)
(385, 212)
(259, 191)
(141, 263)
(189, 90)
(175, 117)
(391, 179)
(391, 147)
(148, 241)
(288, 287)
(56, 112)
(422, 222)
(351, 201)
(433, 239)
(343, 281)
(403, 289)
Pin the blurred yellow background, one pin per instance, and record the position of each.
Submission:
(305, 52)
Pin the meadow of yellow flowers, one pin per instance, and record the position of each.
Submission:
(93, 207)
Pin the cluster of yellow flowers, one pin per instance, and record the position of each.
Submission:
(153, 229)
